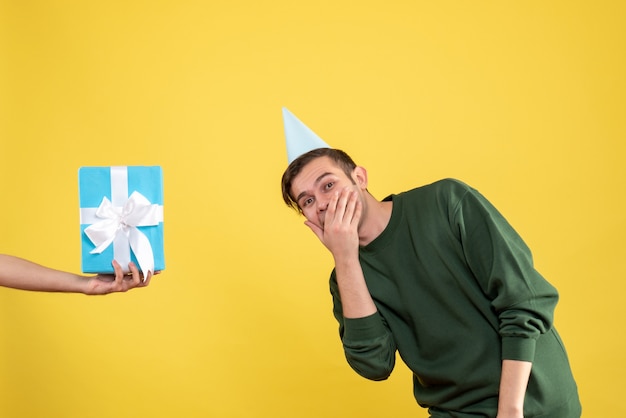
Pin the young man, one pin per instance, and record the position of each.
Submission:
(18, 273)
(438, 275)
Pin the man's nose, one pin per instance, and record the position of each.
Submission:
(322, 205)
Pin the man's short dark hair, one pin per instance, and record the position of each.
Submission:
(338, 156)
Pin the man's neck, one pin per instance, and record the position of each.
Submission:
(375, 219)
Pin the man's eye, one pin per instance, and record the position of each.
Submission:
(329, 185)
(307, 202)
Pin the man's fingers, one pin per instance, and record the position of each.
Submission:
(347, 206)
(351, 206)
(337, 208)
(331, 209)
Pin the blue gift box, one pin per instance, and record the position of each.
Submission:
(121, 217)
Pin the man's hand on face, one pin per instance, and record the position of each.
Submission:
(339, 232)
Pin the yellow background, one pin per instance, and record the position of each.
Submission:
(523, 100)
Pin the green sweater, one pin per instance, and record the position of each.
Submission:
(457, 293)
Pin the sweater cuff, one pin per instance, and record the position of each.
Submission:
(518, 348)
(365, 328)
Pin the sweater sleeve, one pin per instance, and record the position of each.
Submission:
(368, 344)
(503, 267)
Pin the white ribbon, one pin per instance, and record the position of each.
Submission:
(120, 223)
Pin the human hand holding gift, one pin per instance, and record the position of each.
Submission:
(103, 284)
(121, 218)
(19, 273)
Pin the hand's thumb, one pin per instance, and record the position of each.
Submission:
(319, 232)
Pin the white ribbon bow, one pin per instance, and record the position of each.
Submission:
(122, 223)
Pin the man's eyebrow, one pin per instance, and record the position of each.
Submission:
(317, 180)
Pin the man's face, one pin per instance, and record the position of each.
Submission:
(314, 186)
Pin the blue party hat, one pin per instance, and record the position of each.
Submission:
(300, 138)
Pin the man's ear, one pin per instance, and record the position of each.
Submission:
(359, 175)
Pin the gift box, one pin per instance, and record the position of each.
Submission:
(121, 218)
